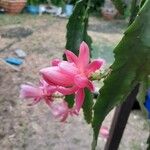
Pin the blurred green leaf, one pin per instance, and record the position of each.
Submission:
(120, 6)
(148, 143)
(70, 100)
(88, 105)
(77, 27)
(57, 2)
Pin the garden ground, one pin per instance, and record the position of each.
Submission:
(33, 128)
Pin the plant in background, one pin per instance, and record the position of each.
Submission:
(96, 5)
(59, 3)
(72, 2)
(33, 2)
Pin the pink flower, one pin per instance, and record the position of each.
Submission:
(104, 132)
(44, 91)
(61, 111)
(74, 74)
(55, 62)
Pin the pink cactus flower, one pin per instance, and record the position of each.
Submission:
(61, 111)
(44, 91)
(104, 132)
(55, 62)
(74, 74)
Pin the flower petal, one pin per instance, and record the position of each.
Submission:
(67, 91)
(71, 57)
(93, 66)
(104, 132)
(80, 81)
(60, 110)
(53, 75)
(28, 91)
(55, 62)
(48, 100)
(68, 68)
(35, 101)
(79, 99)
(90, 86)
(51, 89)
(84, 55)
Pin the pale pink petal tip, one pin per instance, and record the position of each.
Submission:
(102, 61)
(84, 54)
(79, 99)
(28, 91)
(71, 57)
(55, 62)
(104, 132)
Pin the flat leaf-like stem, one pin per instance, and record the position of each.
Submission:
(88, 105)
(77, 27)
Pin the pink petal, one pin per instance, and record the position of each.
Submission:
(43, 83)
(93, 66)
(51, 89)
(60, 110)
(79, 99)
(64, 117)
(90, 86)
(84, 55)
(68, 68)
(55, 62)
(80, 81)
(73, 111)
(71, 57)
(53, 75)
(35, 101)
(47, 89)
(48, 100)
(28, 91)
(67, 91)
(104, 132)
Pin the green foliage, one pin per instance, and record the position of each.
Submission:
(142, 3)
(57, 2)
(70, 1)
(144, 85)
(134, 10)
(120, 5)
(131, 66)
(148, 143)
(43, 1)
(77, 27)
(33, 2)
(36, 2)
(63, 2)
(87, 106)
(96, 4)
(70, 100)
